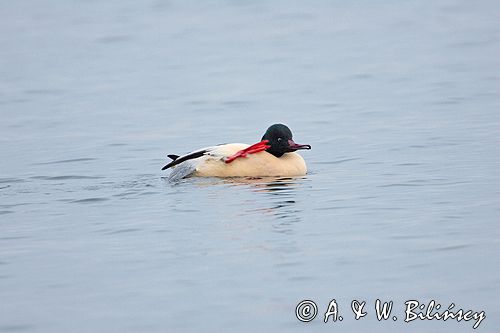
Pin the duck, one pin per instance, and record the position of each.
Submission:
(274, 156)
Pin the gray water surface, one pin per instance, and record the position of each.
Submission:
(399, 100)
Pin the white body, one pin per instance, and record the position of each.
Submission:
(261, 164)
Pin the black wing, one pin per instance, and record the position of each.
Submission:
(178, 160)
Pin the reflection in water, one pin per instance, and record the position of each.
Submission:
(281, 193)
(277, 194)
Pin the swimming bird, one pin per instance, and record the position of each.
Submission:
(274, 155)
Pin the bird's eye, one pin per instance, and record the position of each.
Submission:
(279, 139)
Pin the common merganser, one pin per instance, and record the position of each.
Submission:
(273, 156)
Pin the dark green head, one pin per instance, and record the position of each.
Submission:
(280, 140)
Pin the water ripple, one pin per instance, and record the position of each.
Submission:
(16, 328)
(11, 180)
(89, 200)
(338, 161)
(84, 159)
(68, 177)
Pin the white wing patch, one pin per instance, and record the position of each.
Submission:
(189, 167)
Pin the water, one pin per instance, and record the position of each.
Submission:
(399, 101)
